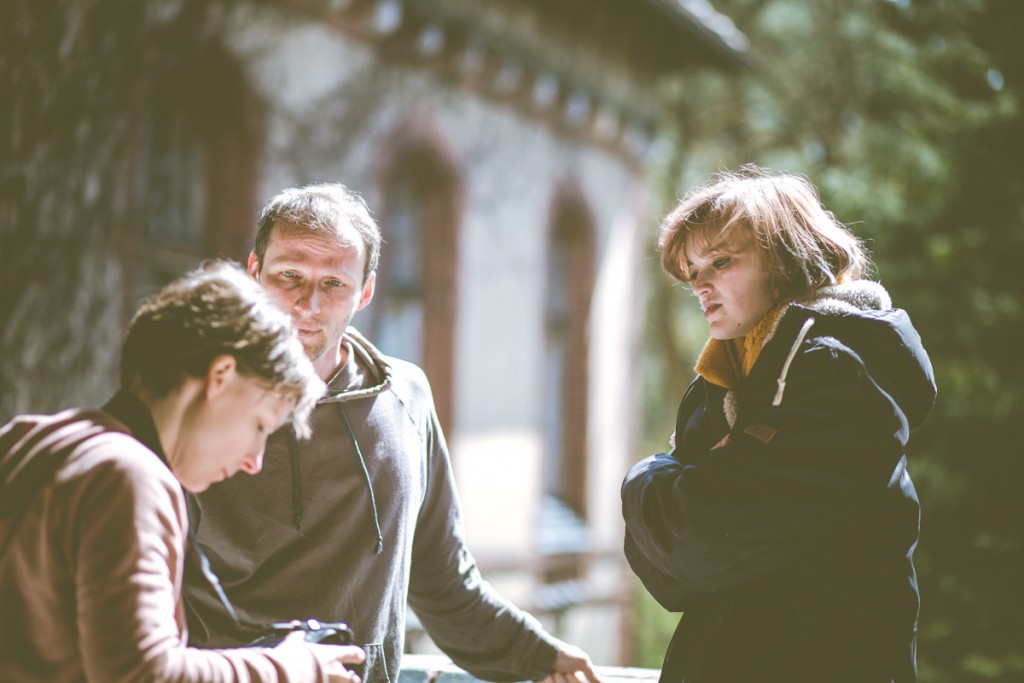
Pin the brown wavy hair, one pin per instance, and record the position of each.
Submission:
(802, 243)
(213, 310)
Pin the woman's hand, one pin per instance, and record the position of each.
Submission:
(332, 658)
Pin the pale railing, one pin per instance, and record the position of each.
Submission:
(439, 669)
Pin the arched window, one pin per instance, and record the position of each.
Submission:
(569, 286)
(414, 311)
(399, 322)
(199, 170)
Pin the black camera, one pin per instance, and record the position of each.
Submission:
(334, 633)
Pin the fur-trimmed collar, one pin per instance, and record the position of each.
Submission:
(848, 298)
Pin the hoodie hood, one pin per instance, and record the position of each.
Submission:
(369, 373)
(34, 447)
(860, 315)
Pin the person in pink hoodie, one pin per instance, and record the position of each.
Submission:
(93, 519)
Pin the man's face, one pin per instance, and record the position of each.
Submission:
(317, 278)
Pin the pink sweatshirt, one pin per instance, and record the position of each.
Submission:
(90, 578)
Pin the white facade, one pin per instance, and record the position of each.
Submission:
(310, 77)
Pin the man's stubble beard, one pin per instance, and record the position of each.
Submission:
(315, 351)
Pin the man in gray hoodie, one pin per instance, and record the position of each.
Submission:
(363, 517)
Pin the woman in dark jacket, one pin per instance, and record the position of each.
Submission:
(783, 521)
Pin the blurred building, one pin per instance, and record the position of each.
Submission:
(502, 145)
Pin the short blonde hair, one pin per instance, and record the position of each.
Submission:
(802, 243)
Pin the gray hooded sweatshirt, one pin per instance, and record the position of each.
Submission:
(348, 525)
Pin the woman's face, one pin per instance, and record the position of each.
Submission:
(731, 280)
(225, 429)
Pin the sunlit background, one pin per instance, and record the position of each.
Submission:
(518, 155)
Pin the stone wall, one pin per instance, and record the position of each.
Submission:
(74, 76)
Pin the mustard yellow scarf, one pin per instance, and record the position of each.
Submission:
(727, 363)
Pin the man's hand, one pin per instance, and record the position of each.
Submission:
(572, 665)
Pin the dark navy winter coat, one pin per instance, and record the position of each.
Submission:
(789, 549)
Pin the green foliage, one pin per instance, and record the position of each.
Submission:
(907, 116)
(652, 630)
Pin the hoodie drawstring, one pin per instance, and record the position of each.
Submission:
(366, 474)
(296, 482)
(789, 359)
(297, 485)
